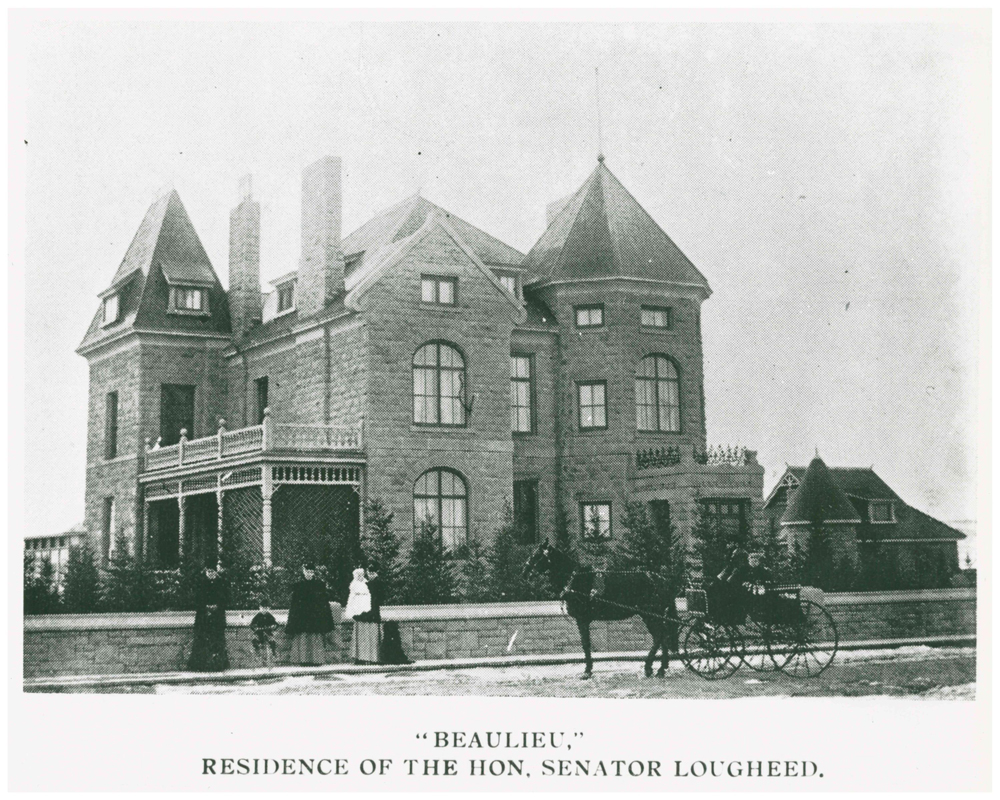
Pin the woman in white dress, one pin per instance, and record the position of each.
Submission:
(366, 636)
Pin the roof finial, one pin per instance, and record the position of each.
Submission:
(817, 451)
(600, 142)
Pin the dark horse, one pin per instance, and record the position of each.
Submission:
(625, 594)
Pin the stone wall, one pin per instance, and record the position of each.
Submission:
(96, 644)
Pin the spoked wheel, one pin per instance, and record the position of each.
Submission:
(805, 648)
(756, 653)
(711, 651)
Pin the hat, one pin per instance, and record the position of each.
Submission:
(359, 574)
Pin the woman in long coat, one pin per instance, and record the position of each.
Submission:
(309, 619)
(208, 651)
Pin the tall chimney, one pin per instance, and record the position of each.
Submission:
(321, 270)
(244, 261)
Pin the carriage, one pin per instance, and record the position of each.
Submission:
(765, 628)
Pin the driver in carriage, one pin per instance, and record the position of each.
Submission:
(743, 577)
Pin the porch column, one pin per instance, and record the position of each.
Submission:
(182, 507)
(218, 522)
(266, 489)
(142, 542)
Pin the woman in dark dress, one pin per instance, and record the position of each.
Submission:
(208, 651)
(309, 619)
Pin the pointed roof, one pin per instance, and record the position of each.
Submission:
(603, 232)
(405, 218)
(819, 499)
(165, 251)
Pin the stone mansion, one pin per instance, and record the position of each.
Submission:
(419, 361)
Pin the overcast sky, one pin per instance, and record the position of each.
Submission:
(819, 176)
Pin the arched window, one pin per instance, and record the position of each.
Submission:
(657, 395)
(441, 498)
(438, 385)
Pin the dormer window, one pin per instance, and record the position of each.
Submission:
(111, 309)
(509, 281)
(881, 511)
(286, 297)
(188, 300)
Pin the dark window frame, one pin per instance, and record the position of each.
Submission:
(579, 405)
(526, 534)
(656, 380)
(530, 380)
(588, 307)
(111, 425)
(174, 308)
(668, 311)
(439, 499)
(286, 297)
(584, 535)
(107, 528)
(261, 387)
(166, 436)
(437, 370)
(712, 506)
(438, 280)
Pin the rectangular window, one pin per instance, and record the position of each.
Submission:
(286, 296)
(589, 316)
(526, 511)
(595, 520)
(521, 391)
(655, 317)
(509, 282)
(188, 299)
(880, 511)
(728, 517)
(111, 425)
(176, 412)
(593, 412)
(108, 528)
(110, 309)
(260, 387)
(438, 290)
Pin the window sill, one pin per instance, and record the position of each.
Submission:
(596, 429)
(439, 306)
(431, 426)
(183, 312)
(284, 313)
(642, 432)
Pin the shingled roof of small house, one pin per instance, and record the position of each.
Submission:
(861, 482)
(603, 232)
(165, 251)
(819, 499)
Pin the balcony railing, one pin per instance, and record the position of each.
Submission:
(259, 438)
(655, 458)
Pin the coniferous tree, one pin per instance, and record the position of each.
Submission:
(40, 593)
(473, 570)
(428, 577)
(643, 547)
(81, 587)
(774, 553)
(506, 557)
(711, 544)
(128, 584)
(381, 548)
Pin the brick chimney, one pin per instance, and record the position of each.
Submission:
(321, 270)
(244, 261)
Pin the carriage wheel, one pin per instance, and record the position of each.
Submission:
(711, 651)
(757, 637)
(804, 649)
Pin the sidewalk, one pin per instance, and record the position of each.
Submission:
(279, 672)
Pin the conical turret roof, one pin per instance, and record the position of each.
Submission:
(819, 499)
(165, 251)
(603, 232)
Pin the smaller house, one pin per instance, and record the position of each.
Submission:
(895, 543)
(55, 548)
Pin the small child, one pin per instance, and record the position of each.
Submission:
(263, 626)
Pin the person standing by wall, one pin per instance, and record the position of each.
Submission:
(366, 636)
(309, 619)
(208, 650)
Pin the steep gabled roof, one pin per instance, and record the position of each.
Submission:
(819, 499)
(603, 232)
(405, 218)
(165, 250)
(861, 482)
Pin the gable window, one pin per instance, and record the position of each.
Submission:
(260, 387)
(188, 300)
(657, 395)
(591, 403)
(110, 309)
(509, 281)
(176, 412)
(111, 425)
(286, 297)
(440, 498)
(438, 385)
(589, 316)
(438, 290)
(881, 511)
(656, 317)
(595, 521)
(521, 417)
(526, 511)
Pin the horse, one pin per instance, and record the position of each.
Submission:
(625, 594)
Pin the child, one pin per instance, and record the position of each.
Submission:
(263, 626)
(360, 599)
